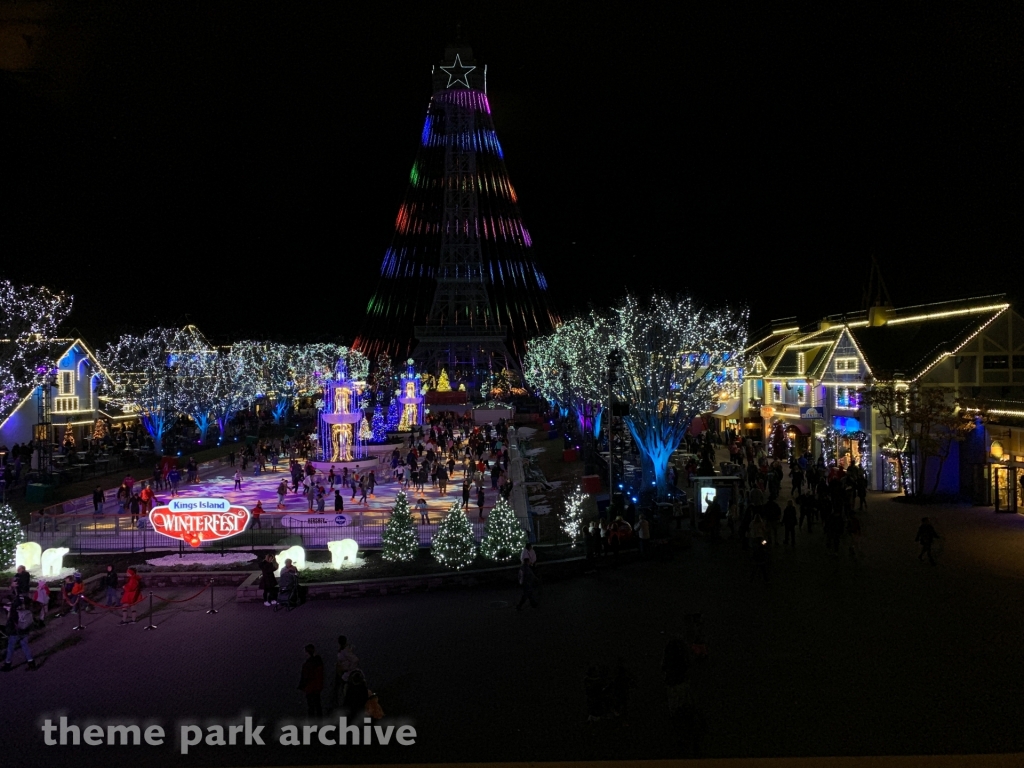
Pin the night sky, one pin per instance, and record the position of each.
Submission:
(240, 166)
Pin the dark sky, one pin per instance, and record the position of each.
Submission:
(241, 164)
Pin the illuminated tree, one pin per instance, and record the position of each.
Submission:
(142, 379)
(378, 426)
(268, 366)
(443, 385)
(504, 538)
(365, 433)
(29, 317)
(400, 542)
(678, 358)
(11, 535)
(453, 543)
(394, 415)
(194, 363)
(572, 518)
(234, 386)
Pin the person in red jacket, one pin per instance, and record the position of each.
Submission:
(311, 681)
(131, 595)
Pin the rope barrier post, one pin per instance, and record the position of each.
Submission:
(212, 609)
(78, 613)
(151, 624)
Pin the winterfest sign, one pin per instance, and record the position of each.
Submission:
(197, 520)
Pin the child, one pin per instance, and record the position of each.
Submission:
(131, 595)
(421, 505)
(43, 598)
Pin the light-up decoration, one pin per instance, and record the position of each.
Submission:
(199, 520)
(29, 554)
(342, 552)
(340, 438)
(410, 398)
(294, 553)
(53, 561)
(996, 451)
(458, 73)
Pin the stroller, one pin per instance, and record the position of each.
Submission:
(287, 592)
(695, 637)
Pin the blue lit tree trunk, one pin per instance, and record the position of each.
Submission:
(677, 359)
(157, 425)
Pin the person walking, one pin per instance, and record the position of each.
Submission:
(421, 506)
(643, 535)
(346, 664)
(282, 491)
(256, 512)
(363, 490)
(356, 696)
(19, 623)
(789, 523)
(238, 479)
(926, 534)
(42, 596)
(527, 582)
(371, 483)
(110, 584)
(173, 478)
(480, 500)
(311, 681)
(97, 500)
(339, 503)
(130, 596)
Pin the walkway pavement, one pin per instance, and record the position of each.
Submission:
(836, 656)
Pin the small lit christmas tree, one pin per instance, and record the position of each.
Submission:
(400, 542)
(365, 433)
(443, 385)
(69, 435)
(100, 430)
(453, 544)
(394, 415)
(504, 537)
(572, 518)
(378, 426)
(11, 535)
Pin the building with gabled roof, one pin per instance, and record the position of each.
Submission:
(808, 380)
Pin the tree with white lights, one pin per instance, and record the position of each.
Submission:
(142, 379)
(572, 518)
(11, 535)
(29, 316)
(268, 368)
(234, 387)
(400, 542)
(504, 538)
(453, 543)
(678, 359)
(194, 362)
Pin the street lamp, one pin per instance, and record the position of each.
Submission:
(614, 360)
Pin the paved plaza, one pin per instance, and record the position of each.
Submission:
(836, 656)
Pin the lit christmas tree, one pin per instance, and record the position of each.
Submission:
(504, 537)
(100, 430)
(69, 435)
(572, 519)
(394, 415)
(453, 544)
(443, 385)
(11, 535)
(378, 426)
(365, 433)
(400, 542)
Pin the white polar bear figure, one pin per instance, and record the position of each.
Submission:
(53, 561)
(296, 554)
(343, 551)
(28, 554)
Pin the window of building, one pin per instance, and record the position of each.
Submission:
(847, 397)
(67, 382)
(846, 364)
(995, 362)
(801, 363)
(777, 392)
(801, 394)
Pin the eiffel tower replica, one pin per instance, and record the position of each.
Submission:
(459, 288)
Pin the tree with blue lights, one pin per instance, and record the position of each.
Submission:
(378, 425)
(142, 379)
(678, 359)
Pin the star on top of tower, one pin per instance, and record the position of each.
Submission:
(458, 73)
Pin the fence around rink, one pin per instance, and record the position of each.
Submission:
(83, 534)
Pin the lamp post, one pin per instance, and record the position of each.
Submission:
(614, 360)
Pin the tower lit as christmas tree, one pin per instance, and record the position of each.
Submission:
(459, 286)
(400, 542)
